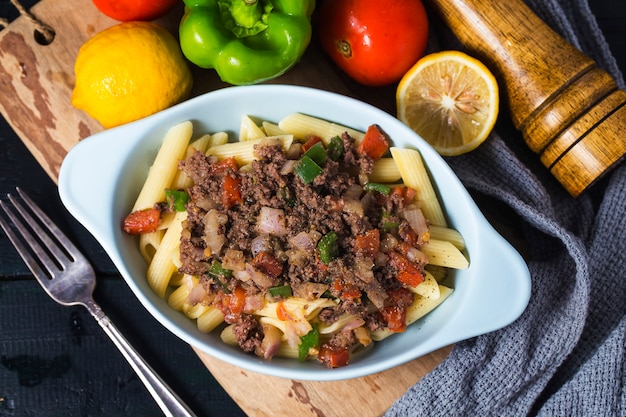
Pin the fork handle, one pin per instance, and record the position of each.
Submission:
(170, 403)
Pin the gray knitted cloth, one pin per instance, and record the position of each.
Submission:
(565, 355)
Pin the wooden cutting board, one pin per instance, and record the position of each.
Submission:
(36, 82)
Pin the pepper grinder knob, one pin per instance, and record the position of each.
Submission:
(569, 111)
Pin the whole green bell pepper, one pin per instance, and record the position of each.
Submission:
(246, 41)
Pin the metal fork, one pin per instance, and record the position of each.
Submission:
(66, 275)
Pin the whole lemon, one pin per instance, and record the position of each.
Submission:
(130, 71)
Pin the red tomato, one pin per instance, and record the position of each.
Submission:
(128, 10)
(374, 42)
(142, 221)
(333, 357)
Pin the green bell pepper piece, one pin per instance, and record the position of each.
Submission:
(307, 169)
(317, 153)
(327, 247)
(309, 341)
(283, 291)
(335, 148)
(379, 188)
(246, 41)
(219, 273)
(177, 199)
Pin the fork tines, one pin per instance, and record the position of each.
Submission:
(36, 238)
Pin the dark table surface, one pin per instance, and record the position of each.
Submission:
(56, 361)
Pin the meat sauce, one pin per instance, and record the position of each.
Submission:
(253, 232)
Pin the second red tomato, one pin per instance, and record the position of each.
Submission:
(374, 42)
(129, 10)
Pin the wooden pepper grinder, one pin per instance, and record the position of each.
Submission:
(569, 111)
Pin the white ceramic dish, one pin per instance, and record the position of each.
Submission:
(101, 177)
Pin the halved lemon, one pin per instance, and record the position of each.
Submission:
(450, 99)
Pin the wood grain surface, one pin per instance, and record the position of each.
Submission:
(36, 82)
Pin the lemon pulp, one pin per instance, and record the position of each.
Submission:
(450, 99)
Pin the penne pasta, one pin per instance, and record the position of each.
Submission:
(301, 126)
(440, 273)
(427, 289)
(165, 166)
(195, 311)
(286, 351)
(309, 308)
(162, 266)
(178, 297)
(219, 138)
(385, 170)
(249, 130)
(166, 220)
(177, 279)
(243, 152)
(274, 321)
(228, 336)
(443, 253)
(450, 235)
(209, 320)
(148, 244)
(422, 306)
(337, 325)
(272, 129)
(415, 175)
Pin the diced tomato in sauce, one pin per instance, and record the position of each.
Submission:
(268, 264)
(231, 193)
(408, 272)
(333, 357)
(142, 221)
(374, 143)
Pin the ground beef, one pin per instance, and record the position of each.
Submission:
(248, 333)
(314, 209)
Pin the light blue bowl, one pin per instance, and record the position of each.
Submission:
(102, 175)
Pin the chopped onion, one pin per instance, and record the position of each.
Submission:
(254, 302)
(213, 236)
(376, 293)
(287, 167)
(271, 221)
(260, 244)
(353, 207)
(270, 343)
(303, 240)
(243, 276)
(363, 336)
(295, 326)
(367, 200)
(351, 325)
(198, 295)
(206, 203)
(387, 243)
(417, 221)
(294, 151)
(297, 257)
(417, 256)
(353, 192)
(363, 269)
(309, 290)
(261, 280)
(381, 259)
(234, 260)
